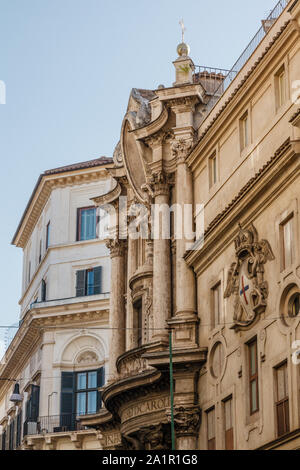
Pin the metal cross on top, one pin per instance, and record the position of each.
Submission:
(183, 29)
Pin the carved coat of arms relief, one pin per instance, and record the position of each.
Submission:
(246, 277)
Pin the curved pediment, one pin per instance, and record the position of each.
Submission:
(135, 159)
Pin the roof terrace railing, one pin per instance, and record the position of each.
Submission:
(246, 54)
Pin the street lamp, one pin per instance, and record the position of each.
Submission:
(16, 396)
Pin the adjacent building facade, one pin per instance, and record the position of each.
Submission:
(59, 355)
(228, 146)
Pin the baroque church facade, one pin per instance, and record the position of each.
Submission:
(229, 296)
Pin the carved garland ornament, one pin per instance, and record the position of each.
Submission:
(181, 148)
(246, 277)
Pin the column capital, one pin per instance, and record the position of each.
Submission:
(116, 247)
(160, 183)
(186, 420)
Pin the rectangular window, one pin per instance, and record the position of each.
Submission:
(244, 131)
(213, 170)
(138, 307)
(253, 377)
(89, 282)
(47, 235)
(216, 302)
(87, 395)
(286, 235)
(86, 223)
(211, 429)
(280, 83)
(282, 400)
(228, 424)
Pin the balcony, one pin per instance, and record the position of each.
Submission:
(53, 424)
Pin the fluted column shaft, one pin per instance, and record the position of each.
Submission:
(117, 318)
(161, 264)
(185, 279)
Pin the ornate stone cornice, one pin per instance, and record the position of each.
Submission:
(183, 103)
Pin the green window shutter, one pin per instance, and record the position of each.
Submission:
(44, 290)
(98, 280)
(35, 402)
(100, 383)
(67, 393)
(81, 283)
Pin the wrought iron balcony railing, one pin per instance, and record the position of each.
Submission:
(53, 424)
(246, 54)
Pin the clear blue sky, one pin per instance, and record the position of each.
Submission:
(69, 66)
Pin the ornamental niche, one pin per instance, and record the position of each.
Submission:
(246, 277)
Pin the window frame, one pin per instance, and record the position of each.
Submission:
(86, 391)
(283, 402)
(211, 443)
(245, 138)
(80, 210)
(48, 226)
(228, 433)
(216, 288)
(253, 377)
(281, 87)
(85, 289)
(283, 261)
(213, 169)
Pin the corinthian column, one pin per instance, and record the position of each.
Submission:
(185, 279)
(117, 317)
(161, 257)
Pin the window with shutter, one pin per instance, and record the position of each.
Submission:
(282, 403)
(98, 280)
(253, 377)
(67, 400)
(228, 424)
(211, 429)
(19, 429)
(89, 282)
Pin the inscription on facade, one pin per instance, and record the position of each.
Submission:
(112, 439)
(145, 407)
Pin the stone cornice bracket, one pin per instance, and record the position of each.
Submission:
(181, 149)
(117, 247)
(183, 103)
(187, 420)
(295, 119)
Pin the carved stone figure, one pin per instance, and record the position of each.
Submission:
(246, 277)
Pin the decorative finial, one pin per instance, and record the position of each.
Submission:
(183, 29)
(183, 49)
